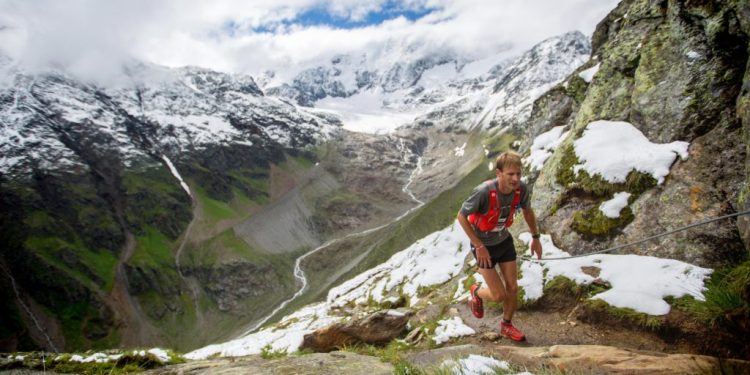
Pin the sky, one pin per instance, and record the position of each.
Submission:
(96, 37)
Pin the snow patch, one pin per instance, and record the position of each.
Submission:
(176, 174)
(449, 328)
(475, 365)
(638, 282)
(543, 146)
(612, 207)
(612, 149)
(588, 74)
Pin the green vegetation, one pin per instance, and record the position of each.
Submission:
(153, 249)
(576, 88)
(727, 298)
(213, 209)
(267, 352)
(392, 352)
(564, 285)
(635, 183)
(626, 315)
(91, 267)
(593, 222)
(154, 199)
(84, 326)
(122, 363)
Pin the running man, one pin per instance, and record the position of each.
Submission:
(485, 217)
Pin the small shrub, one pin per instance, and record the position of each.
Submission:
(267, 352)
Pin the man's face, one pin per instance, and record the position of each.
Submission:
(510, 177)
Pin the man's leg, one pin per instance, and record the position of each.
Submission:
(494, 291)
(510, 301)
(510, 273)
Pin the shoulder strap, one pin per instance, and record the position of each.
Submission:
(513, 205)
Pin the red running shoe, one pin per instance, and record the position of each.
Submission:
(475, 303)
(507, 330)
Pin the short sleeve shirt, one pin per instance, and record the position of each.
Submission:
(479, 201)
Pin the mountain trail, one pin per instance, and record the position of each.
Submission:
(137, 329)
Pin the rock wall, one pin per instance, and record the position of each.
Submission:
(677, 71)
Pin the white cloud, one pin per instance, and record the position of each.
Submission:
(89, 36)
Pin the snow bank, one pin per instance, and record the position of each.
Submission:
(638, 282)
(450, 328)
(543, 146)
(612, 149)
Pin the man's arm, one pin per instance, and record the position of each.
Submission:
(483, 255)
(530, 218)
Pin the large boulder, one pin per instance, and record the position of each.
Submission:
(378, 328)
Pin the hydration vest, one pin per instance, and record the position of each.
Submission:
(488, 221)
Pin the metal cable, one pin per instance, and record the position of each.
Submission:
(645, 239)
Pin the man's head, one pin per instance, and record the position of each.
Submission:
(508, 170)
(508, 159)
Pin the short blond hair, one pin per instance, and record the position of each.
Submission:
(508, 159)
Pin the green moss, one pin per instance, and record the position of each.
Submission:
(561, 284)
(635, 183)
(576, 88)
(593, 222)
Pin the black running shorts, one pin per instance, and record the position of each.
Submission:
(503, 252)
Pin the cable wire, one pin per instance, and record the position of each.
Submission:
(645, 239)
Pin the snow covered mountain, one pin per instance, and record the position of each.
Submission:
(436, 88)
(505, 95)
(151, 111)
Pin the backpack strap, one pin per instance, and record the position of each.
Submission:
(513, 205)
(494, 205)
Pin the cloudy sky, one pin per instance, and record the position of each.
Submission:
(253, 35)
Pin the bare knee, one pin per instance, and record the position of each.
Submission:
(512, 290)
(497, 295)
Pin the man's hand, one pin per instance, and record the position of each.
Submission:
(483, 256)
(536, 248)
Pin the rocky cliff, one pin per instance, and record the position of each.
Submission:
(676, 71)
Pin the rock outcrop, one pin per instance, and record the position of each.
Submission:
(378, 328)
(675, 71)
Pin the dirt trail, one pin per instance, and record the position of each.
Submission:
(562, 325)
(137, 328)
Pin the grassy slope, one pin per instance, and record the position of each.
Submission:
(381, 245)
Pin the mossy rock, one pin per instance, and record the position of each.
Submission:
(636, 183)
(593, 222)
